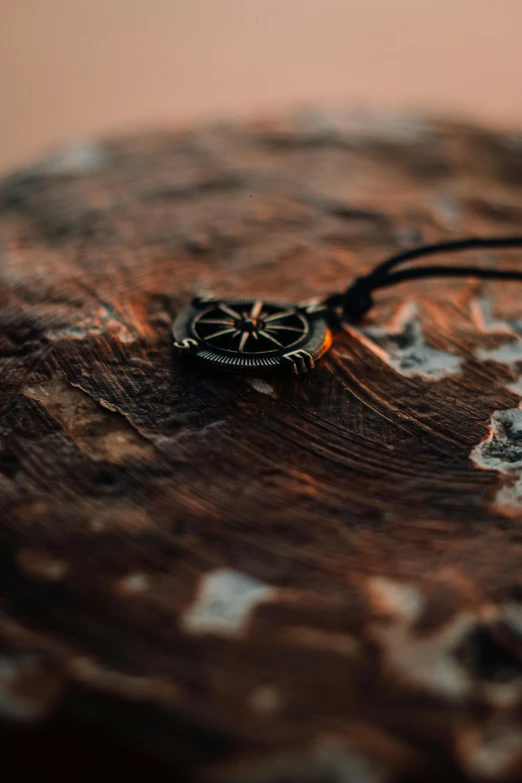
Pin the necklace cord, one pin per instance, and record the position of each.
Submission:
(357, 300)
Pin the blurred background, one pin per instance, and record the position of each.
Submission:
(70, 69)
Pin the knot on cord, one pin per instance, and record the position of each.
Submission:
(355, 301)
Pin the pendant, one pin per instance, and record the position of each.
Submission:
(239, 334)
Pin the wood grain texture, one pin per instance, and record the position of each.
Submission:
(278, 579)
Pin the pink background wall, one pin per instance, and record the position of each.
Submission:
(70, 68)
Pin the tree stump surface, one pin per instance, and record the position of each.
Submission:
(261, 579)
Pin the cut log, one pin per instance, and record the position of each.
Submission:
(313, 578)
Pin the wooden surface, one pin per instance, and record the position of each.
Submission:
(278, 579)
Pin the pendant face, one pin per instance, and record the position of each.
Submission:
(253, 335)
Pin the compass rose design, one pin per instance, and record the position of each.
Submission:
(256, 329)
(252, 334)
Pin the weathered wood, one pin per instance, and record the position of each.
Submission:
(263, 579)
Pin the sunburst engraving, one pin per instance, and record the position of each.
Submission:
(258, 329)
(252, 335)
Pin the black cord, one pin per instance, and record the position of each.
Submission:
(458, 245)
(357, 299)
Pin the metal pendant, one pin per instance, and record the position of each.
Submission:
(253, 335)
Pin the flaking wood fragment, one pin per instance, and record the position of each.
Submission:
(97, 433)
(501, 450)
(400, 343)
(224, 602)
(41, 565)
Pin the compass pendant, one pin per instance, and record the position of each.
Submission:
(253, 335)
